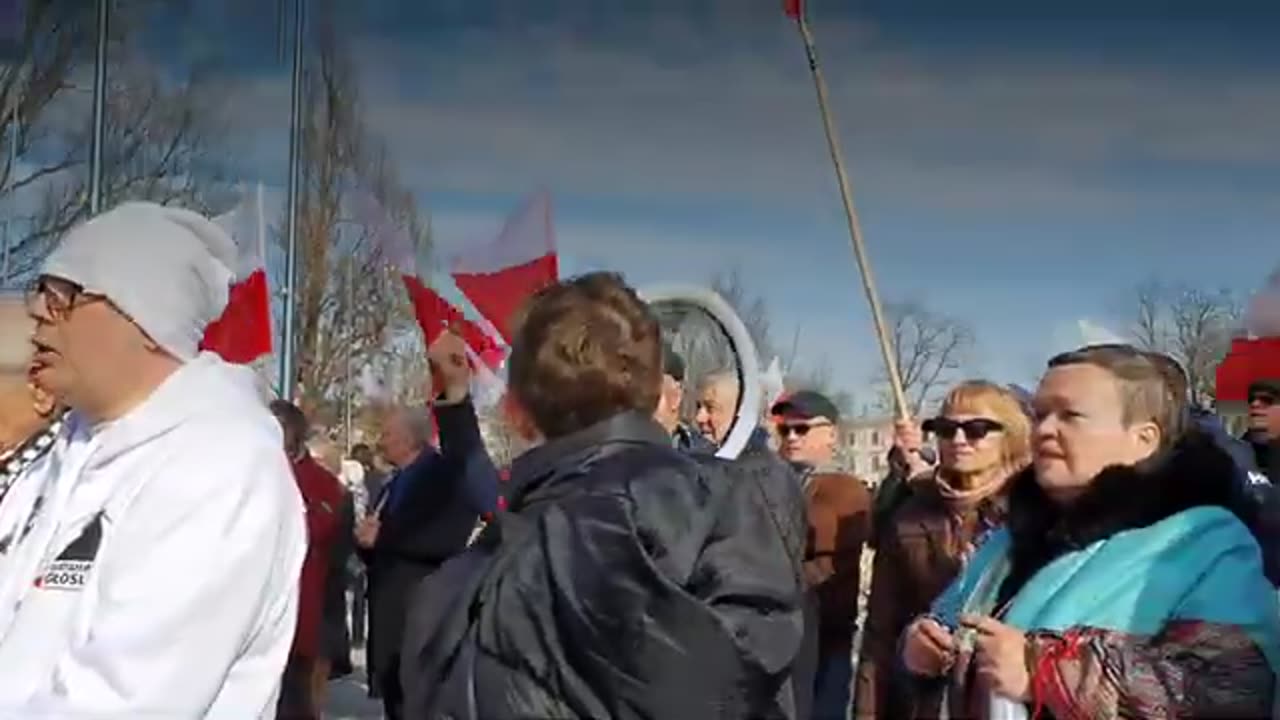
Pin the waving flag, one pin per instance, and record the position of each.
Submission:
(433, 312)
(793, 8)
(1262, 317)
(243, 333)
(499, 276)
(772, 382)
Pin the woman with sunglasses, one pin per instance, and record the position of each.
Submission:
(983, 439)
(1127, 580)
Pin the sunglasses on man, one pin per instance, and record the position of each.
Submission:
(786, 430)
(1264, 399)
(973, 429)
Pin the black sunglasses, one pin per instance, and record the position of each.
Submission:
(1263, 399)
(974, 429)
(785, 430)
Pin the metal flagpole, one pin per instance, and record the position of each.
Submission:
(286, 383)
(6, 250)
(851, 214)
(99, 109)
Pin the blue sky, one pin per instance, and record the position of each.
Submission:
(1020, 169)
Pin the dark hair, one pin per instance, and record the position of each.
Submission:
(294, 424)
(362, 454)
(584, 350)
(1147, 385)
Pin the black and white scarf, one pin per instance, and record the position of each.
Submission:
(14, 463)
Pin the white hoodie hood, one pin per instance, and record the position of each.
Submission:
(185, 604)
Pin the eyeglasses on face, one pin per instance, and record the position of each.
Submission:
(57, 297)
(1265, 399)
(973, 429)
(786, 430)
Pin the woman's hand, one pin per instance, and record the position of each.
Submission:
(1000, 654)
(929, 649)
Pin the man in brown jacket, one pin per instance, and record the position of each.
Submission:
(839, 524)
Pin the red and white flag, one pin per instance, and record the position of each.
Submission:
(793, 8)
(499, 276)
(435, 314)
(242, 333)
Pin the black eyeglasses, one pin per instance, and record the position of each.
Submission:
(974, 429)
(1263, 399)
(59, 297)
(785, 430)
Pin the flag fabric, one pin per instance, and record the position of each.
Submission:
(499, 276)
(772, 383)
(793, 8)
(394, 246)
(242, 333)
(435, 315)
(1262, 317)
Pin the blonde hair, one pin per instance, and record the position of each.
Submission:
(981, 397)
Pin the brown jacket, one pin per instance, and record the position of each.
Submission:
(839, 524)
(920, 551)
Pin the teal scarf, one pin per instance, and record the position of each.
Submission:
(1200, 564)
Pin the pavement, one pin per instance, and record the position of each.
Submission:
(348, 698)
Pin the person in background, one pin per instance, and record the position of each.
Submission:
(1264, 426)
(371, 479)
(717, 405)
(28, 414)
(165, 580)
(839, 524)
(669, 402)
(984, 439)
(323, 496)
(30, 423)
(426, 510)
(625, 578)
(908, 458)
(335, 635)
(1127, 580)
(719, 394)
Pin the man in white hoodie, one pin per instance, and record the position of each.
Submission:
(161, 575)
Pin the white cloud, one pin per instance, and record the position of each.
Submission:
(504, 112)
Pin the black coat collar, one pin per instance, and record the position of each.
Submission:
(538, 473)
(1195, 472)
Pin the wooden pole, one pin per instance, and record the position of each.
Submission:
(855, 227)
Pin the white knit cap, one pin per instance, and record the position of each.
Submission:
(167, 268)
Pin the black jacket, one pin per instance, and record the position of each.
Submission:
(626, 580)
(431, 522)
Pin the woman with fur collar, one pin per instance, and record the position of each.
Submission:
(1127, 582)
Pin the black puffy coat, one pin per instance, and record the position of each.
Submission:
(625, 580)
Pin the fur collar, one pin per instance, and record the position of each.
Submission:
(1193, 473)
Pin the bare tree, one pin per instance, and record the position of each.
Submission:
(753, 309)
(351, 307)
(750, 307)
(159, 140)
(1191, 325)
(928, 348)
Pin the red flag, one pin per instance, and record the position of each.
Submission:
(243, 332)
(498, 277)
(433, 312)
(435, 315)
(793, 8)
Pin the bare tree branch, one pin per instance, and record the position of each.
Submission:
(929, 348)
(1190, 325)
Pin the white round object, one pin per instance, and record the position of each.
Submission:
(745, 422)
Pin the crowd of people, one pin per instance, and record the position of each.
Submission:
(174, 545)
